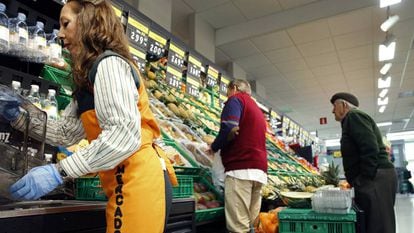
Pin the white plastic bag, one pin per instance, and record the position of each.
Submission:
(218, 172)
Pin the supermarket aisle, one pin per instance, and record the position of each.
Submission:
(404, 208)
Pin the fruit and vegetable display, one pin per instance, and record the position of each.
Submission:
(205, 198)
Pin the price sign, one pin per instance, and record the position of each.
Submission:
(224, 83)
(173, 77)
(223, 98)
(176, 56)
(156, 43)
(192, 86)
(212, 77)
(137, 33)
(194, 67)
(117, 8)
(139, 57)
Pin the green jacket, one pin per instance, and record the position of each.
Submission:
(363, 151)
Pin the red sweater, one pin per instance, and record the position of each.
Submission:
(248, 149)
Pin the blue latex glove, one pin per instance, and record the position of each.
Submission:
(9, 107)
(36, 183)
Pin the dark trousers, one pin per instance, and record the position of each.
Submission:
(377, 198)
(168, 198)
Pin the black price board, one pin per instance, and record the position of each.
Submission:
(194, 67)
(176, 56)
(156, 43)
(139, 57)
(276, 120)
(224, 83)
(117, 8)
(192, 86)
(212, 77)
(137, 33)
(173, 77)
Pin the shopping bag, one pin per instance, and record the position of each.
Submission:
(218, 172)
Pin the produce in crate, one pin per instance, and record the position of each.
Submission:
(297, 199)
(205, 199)
(209, 139)
(198, 154)
(175, 158)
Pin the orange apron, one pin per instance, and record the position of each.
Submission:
(135, 188)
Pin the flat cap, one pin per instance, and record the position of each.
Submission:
(345, 96)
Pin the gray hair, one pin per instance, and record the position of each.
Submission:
(241, 85)
(351, 106)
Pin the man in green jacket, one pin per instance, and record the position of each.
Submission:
(366, 164)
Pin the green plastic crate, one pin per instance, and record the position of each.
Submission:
(63, 101)
(209, 214)
(213, 213)
(61, 77)
(308, 221)
(89, 189)
(185, 187)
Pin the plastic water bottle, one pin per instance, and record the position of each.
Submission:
(4, 29)
(54, 48)
(16, 87)
(18, 35)
(37, 43)
(51, 105)
(34, 96)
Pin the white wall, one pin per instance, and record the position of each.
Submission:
(202, 37)
(160, 11)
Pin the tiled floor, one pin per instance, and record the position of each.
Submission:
(404, 208)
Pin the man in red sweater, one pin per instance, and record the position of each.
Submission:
(242, 141)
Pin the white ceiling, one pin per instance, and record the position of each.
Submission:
(303, 51)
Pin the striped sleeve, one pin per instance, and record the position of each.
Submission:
(66, 131)
(116, 98)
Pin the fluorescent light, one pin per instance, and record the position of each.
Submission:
(383, 93)
(385, 52)
(382, 108)
(313, 133)
(385, 3)
(384, 83)
(332, 142)
(387, 123)
(382, 101)
(385, 68)
(407, 135)
(387, 24)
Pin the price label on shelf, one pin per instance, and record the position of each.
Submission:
(274, 115)
(156, 43)
(176, 56)
(192, 86)
(173, 77)
(194, 67)
(117, 8)
(224, 83)
(212, 77)
(137, 32)
(139, 57)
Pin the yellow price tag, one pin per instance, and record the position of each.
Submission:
(177, 50)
